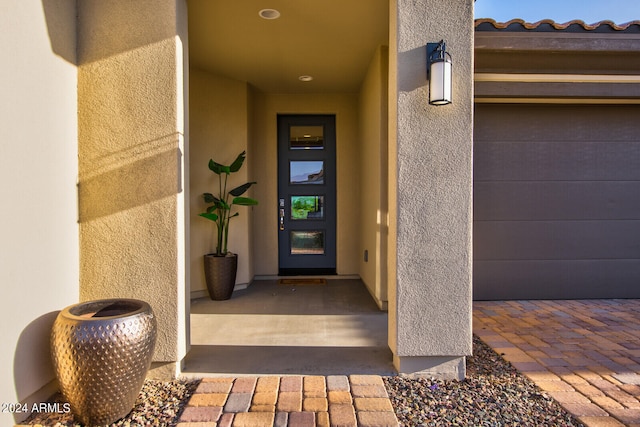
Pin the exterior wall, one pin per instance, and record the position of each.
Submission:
(132, 161)
(263, 146)
(372, 152)
(430, 187)
(38, 168)
(219, 130)
(557, 213)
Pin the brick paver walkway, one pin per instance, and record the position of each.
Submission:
(584, 353)
(297, 401)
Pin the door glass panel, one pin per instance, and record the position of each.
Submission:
(306, 137)
(306, 172)
(307, 242)
(307, 207)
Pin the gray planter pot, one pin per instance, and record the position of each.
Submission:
(101, 353)
(220, 275)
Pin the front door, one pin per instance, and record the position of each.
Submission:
(306, 194)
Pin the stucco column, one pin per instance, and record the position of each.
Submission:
(132, 161)
(431, 187)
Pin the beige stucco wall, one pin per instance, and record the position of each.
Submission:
(431, 188)
(133, 166)
(219, 129)
(38, 169)
(263, 149)
(372, 149)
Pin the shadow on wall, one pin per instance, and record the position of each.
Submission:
(125, 186)
(91, 38)
(58, 15)
(413, 66)
(28, 366)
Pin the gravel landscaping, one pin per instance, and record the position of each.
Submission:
(159, 404)
(493, 394)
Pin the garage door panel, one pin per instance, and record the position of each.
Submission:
(556, 123)
(557, 161)
(556, 279)
(562, 240)
(556, 200)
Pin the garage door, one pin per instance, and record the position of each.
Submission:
(556, 201)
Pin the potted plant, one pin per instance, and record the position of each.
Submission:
(220, 267)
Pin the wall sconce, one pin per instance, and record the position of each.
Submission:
(439, 73)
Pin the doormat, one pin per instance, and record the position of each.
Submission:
(302, 282)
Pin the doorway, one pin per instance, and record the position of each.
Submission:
(306, 194)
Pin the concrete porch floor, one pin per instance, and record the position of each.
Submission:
(274, 329)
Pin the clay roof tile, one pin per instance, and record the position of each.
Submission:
(487, 24)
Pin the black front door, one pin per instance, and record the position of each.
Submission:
(306, 194)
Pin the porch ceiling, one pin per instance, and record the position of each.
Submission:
(331, 40)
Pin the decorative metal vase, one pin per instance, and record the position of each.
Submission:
(101, 352)
(220, 275)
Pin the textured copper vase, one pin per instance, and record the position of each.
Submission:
(220, 275)
(101, 352)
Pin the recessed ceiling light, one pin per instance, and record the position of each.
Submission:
(269, 14)
(305, 78)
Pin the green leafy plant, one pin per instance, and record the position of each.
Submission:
(221, 204)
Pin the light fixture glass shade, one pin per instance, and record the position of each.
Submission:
(440, 81)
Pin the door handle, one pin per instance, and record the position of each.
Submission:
(281, 206)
